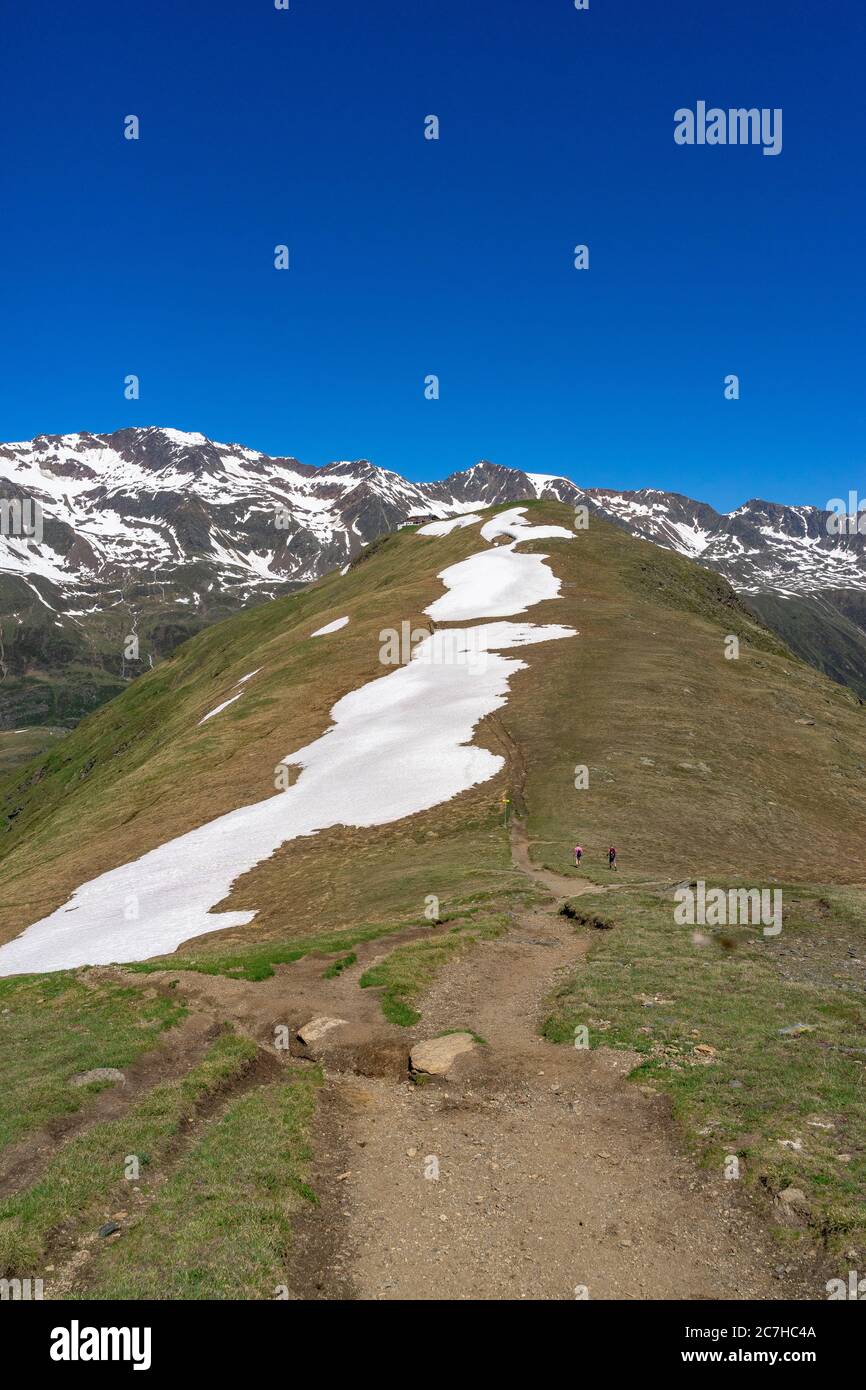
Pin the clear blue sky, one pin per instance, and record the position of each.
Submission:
(454, 257)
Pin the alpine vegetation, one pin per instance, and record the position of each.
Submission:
(398, 745)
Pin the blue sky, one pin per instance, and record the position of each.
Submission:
(452, 257)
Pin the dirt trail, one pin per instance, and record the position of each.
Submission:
(554, 1172)
(560, 886)
(531, 1171)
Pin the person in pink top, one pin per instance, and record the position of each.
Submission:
(578, 855)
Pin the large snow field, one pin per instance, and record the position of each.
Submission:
(398, 745)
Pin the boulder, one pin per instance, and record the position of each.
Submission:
(317, 1028)
(436, 1056)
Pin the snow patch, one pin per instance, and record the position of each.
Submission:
(225, 704)
(444, 528)
(330, 627)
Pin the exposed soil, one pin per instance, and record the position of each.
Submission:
(557, 1178)
(531, 1171)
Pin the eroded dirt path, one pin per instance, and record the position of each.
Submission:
(555, 1174)
(531, 1171)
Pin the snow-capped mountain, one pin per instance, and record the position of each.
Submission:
(149, 502)
(154, 533)
(762, 547)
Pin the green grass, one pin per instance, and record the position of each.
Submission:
(220, 1226)
(54, 1026)
(258, 963)
(18, 746)
(87, 1174)
(760, 1088)
(409, 971)
(698, 767)
(338, 966)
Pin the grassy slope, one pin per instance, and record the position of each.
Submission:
(140, 770)
(819, 633)
(734, 780)
(698, 767)
(697, 764)
(53, 1027)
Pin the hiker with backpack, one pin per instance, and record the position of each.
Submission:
(611, 858)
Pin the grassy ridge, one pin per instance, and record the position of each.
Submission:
(691, 757)
(746, 770)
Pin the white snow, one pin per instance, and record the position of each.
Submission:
(397, 746)
(499, 582)
(510, 523)
(225, 704)
(493, 584)
(444, 528)
(541, 481)
(330, 627)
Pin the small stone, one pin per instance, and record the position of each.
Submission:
(104, 1074)
(109, 1228)
(793, 1197)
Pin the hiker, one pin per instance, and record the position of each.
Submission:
(578, 855)
(611, 858)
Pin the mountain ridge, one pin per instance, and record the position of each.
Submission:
(627, 724)
(153, 533)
